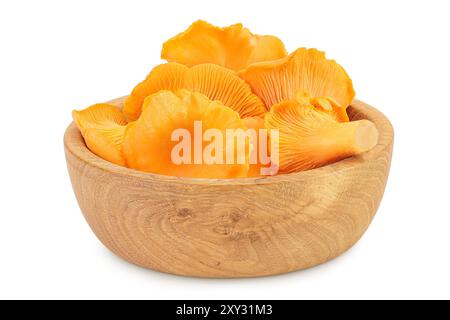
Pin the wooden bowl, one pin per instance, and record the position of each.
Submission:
(231, 228)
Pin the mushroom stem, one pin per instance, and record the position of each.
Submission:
(350, 138)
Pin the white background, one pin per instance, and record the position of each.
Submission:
(59, 55)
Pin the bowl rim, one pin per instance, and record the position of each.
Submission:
(74, 145)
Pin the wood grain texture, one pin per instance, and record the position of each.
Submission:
(231, 228)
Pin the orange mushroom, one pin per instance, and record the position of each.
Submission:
(309, 138)
(103, 128)
(166, 138)
(233, 47)
(305, 71)
(215, 82)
